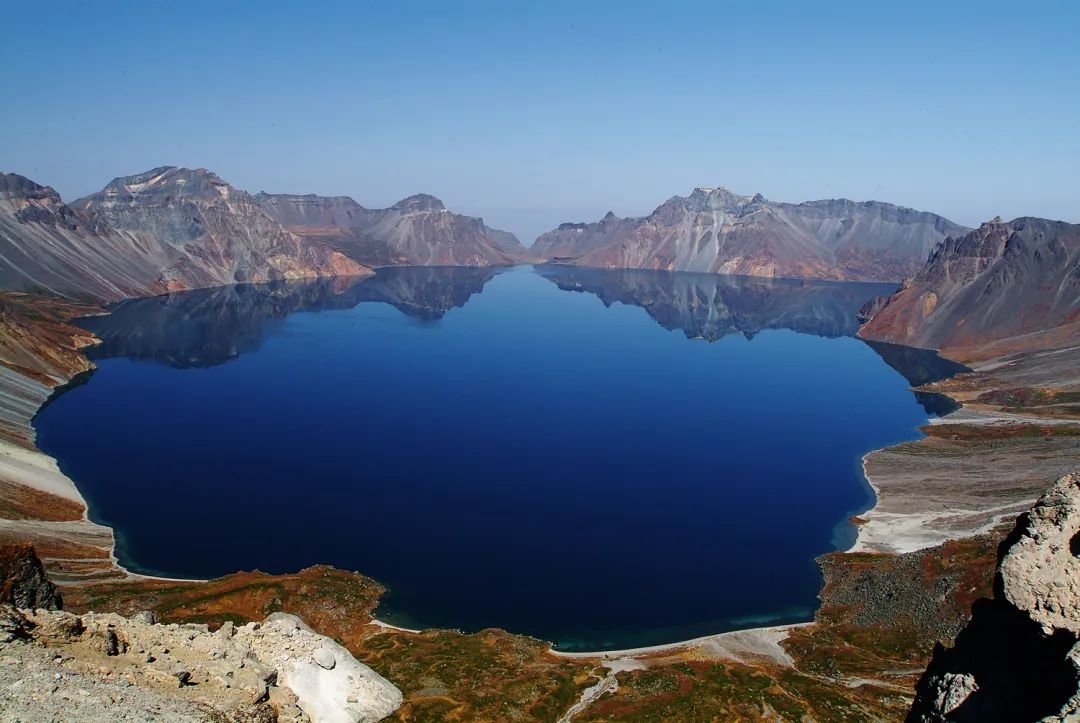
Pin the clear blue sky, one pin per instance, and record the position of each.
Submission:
(530, 114)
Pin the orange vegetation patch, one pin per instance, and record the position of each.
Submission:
(37, 340)
(51, 547)
(967, 432)
(445, 675)
(335, 602)
(19, 502)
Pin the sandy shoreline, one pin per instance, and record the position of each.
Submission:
(739, 645)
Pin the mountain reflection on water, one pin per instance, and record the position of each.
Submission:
(711, 306)
(211, 326)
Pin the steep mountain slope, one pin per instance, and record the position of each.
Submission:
(416, 231)
(49, 247)
(1002, 280)
(220, 233)
(715, 231)
(164, 230)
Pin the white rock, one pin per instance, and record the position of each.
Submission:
(324, 658)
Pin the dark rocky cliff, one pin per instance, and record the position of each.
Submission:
(23, 582)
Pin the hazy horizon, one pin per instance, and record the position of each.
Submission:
(535, 116)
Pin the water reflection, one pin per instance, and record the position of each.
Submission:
(211, 326)
(710, 307)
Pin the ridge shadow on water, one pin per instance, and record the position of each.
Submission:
(495, 450)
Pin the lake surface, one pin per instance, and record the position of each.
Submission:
(603, 459)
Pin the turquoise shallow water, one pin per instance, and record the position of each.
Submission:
(601, 459)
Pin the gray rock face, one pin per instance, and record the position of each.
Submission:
(50, 247)
(1019, 657)
(416, 231)
(1040, 572)
(221, 233)
(1002, 280)
(716, 231)
(168, 229)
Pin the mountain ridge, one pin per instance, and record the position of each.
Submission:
(714, 230)
(172, 228)
(416, 231)
(1002, 280)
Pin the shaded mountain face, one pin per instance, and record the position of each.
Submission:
(919, 367)
(211, 326)
(712, 306)
(715, 231)
(416, 231)
(221, 235)
(1001, 281)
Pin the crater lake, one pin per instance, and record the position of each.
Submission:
(602, 459)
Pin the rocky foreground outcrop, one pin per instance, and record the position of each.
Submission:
(1001, 281)
(1019, 657)
(23, 583)
(58, 666)
(716, 231)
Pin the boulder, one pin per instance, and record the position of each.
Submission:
(346, 692)
(1018, 659)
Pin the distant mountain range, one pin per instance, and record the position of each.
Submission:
(999, 282)
(164, 230)
(172, 229)
(715, 231)
(416, 231)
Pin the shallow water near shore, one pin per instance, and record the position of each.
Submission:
(603, 459)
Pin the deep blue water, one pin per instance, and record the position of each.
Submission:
(601, 459)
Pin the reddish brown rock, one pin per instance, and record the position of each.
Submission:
(1002, 281)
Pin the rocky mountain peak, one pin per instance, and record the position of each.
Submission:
(165, 182)
(716, 198)
(419, 203)
(15, 187)
(1002, 280)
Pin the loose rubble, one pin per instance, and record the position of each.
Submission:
(58, 666)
